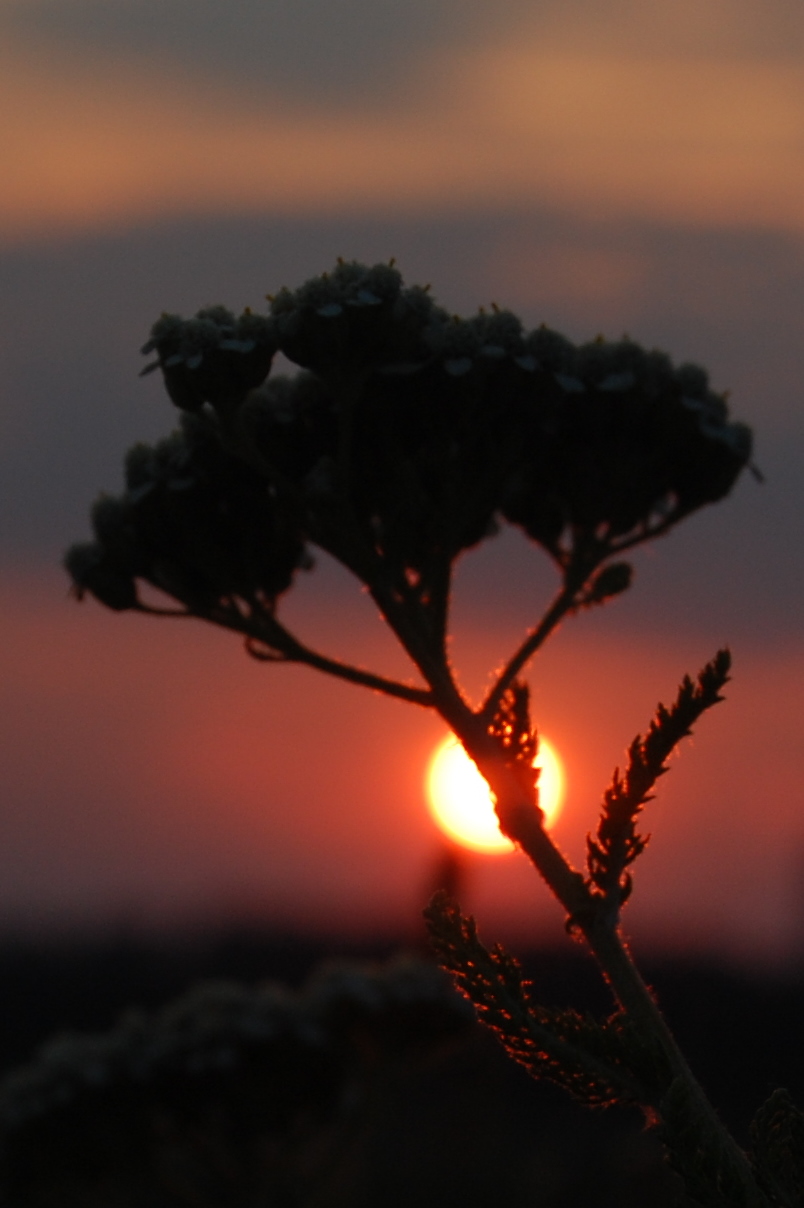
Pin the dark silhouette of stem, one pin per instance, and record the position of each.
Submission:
(279, 645)
(562, 605)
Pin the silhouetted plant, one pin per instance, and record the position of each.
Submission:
(231, 1095)
(404, 440)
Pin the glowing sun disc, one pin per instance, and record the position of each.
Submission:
(461, 804)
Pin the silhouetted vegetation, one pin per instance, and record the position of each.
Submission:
(408, 436)
(454, 1124)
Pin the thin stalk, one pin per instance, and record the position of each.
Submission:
(269, 631)
(522, 821)
(413, 628)
(630, 991)
(563, 604)
(520, 817)
(439, 582)
(355, 675)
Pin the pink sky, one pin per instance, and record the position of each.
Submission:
(152, 772)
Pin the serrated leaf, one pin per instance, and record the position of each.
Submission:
(617, 843)
(777, 1139)
(595, 1062)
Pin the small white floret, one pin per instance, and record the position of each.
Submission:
(457, 366)
(570, 385)
(617, 382)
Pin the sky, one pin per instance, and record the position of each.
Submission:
(599, 165)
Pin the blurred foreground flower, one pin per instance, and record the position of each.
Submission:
(229, 1096)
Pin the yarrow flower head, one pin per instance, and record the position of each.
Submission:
(194, 522)
(212, 358)
(354, 318)
(408, 431)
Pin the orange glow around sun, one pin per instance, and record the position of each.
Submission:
(461, 804)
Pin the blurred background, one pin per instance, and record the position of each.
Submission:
(171, 810)
(603, 166)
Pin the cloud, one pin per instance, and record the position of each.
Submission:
(707, 29)
(513, 120)
(316, 52)
(312, 52)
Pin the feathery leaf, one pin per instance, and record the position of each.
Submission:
(777, 1138)
(617, 844)
(592, 1061)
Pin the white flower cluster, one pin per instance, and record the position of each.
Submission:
(187, 341)
(349, 285)
(354, 315)
(458, 342)
(408, 433)
(169, 461)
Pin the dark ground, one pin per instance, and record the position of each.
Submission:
(458, 1125)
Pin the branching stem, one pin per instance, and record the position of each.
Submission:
(562, 605)
(354, 675)
(633, 995)
(520, 818)
(280, 645)
(522, 821)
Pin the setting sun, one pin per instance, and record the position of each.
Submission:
(461, 804)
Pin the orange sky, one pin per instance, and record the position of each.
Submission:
(691, 118)
(635, 167)
(153, 772)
